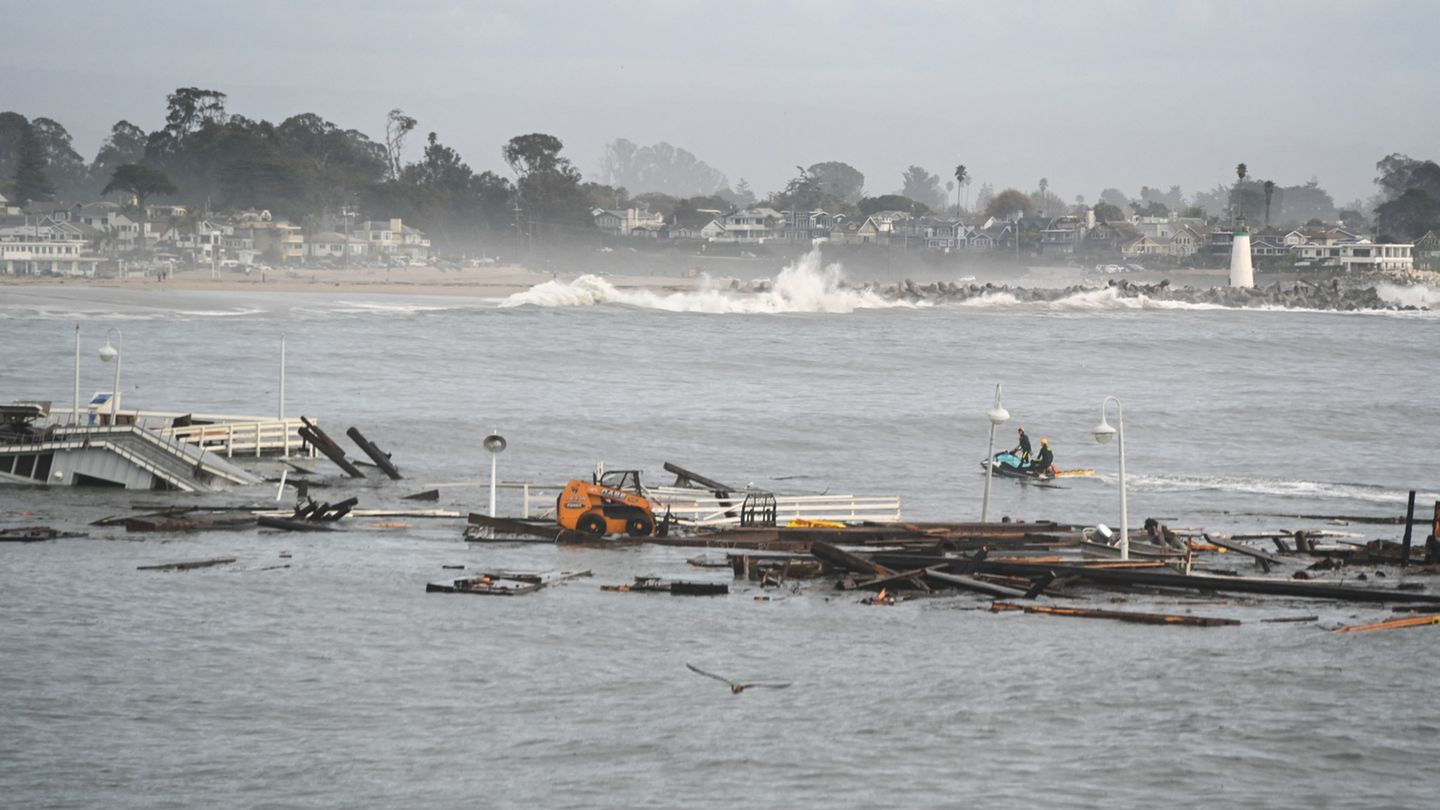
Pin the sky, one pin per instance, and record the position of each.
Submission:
(1089, 95)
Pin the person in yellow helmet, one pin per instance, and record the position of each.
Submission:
(1043, 459)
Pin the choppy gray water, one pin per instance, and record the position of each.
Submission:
(339, 682)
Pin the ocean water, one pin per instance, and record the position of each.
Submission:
(338, 682)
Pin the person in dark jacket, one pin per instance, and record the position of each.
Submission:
(1044, 458)
(1022, 450)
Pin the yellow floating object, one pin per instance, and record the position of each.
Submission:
(1064, 473)
(807, 523)
(1389, 624)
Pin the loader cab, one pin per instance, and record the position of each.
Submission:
(623, 480)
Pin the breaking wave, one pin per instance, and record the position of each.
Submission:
(1410, 295)
(1099, 300)
(805, 286)
(1270, 486)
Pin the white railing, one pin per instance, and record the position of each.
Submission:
(701, 508)
(265, 437)
(707, 510)
(225, 434)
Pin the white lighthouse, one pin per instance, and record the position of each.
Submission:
(1242, 274)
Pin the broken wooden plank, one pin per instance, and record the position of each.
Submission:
(427, 495)
(380, 457)
(1389, 624)
(1169, 579)
(322, 442)
(970, 584)
(1120, 615)
(186, 566)
(1238, 548)
(830, 553)
(291, 525)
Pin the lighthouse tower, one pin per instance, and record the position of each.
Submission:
(1242, 274)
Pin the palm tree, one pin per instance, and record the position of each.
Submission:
(1240, 173)
(1269, 193)
(961, 177)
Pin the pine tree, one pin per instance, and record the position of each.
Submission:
(30, 182)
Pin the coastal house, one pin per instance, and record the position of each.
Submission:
(803, 227)
(279, 238)
(627, 221)
(750, 226)
(1355, 256)
(1427, 251)
(1147, 246)
(393, 238)
(1064, 235)
(7, 208)
(1186, 240)
(50, 249)
(333, 245)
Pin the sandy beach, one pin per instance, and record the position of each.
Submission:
(477, 282)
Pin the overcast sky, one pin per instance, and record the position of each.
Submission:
(1087, 94)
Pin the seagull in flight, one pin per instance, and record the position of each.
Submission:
(735, 688)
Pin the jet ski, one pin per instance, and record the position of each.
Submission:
(1009, 465)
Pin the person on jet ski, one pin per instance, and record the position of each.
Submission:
(1022, 450)
(1043, 459)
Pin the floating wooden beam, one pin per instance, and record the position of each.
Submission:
(1119, 615)
(322, 442)
(1389, 624)
(381, 458)
(186, 566)
(970, 584)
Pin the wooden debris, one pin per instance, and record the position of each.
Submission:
(674, 588)
(34, 534)
(1282, 619)
(427, 495)
(291, 525)
(1118, 615)
(971, 584)
(187, 524)
(322, 442)
(186, 566)
(380, 457)
(1389, 624)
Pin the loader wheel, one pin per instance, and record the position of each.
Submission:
(591, 524)
(639, 526)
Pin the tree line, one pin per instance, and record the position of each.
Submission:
(309, 170)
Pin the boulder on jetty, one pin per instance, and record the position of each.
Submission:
(1300, 295)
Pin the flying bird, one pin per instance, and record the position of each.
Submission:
(735, 688)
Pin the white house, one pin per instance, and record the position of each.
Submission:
(34, 250)
(1351, 256)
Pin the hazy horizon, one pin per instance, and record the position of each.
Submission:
(1119, 93)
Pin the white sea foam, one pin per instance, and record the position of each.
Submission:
(805, 286)
(1269, 486)
(1410, 295)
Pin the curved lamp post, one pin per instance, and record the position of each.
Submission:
(997, 416)
(495, 444)
(1104, 432)
(110, 354)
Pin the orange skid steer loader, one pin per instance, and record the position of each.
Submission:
(615, 504)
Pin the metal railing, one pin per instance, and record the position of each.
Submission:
(228, 434)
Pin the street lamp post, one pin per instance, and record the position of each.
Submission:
(1103, 433)
(75, 416)
(997, 415)
(495, 444)
(111, 354)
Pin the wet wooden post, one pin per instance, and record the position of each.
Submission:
(322, 442)
(381, 459)
(1409, 525)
